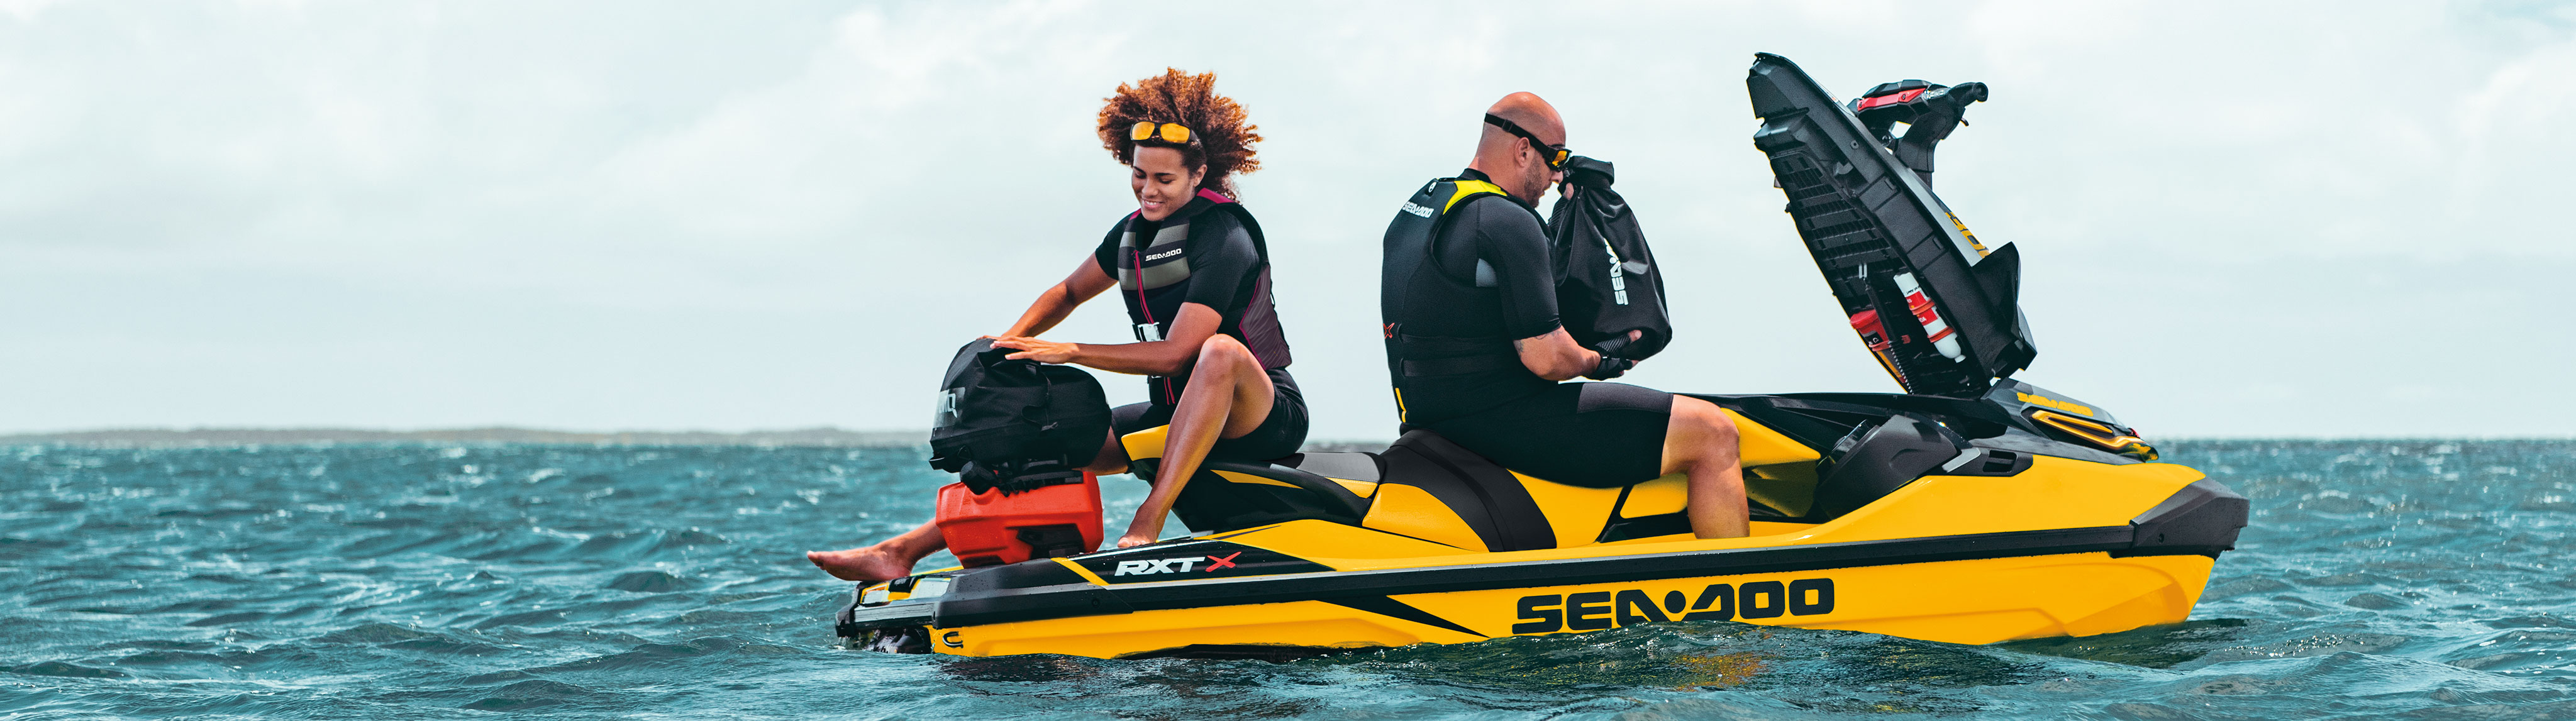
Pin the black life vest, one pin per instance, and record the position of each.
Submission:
(1408, 252)
(1607, 283)
(1154, 279)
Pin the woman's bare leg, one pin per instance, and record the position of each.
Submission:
(895, 557)
(1700, 441)
(890, 558)
(1229, 395)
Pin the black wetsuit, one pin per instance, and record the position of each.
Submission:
(1205, 254)
(1490, 277)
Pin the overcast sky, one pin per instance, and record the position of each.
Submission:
(2237, 218)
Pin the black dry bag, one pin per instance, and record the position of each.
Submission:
(1607, 280)
(1017, 424)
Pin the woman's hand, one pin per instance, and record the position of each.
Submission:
(1042, 351)
(1142, 532)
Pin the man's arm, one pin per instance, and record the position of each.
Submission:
(1556, 356)
(1511, 241)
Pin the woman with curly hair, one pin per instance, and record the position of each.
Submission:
(1192, 268)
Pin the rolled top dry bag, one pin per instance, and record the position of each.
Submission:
(1607, 280)
(1016, 424)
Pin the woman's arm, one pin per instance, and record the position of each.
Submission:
(1086, 282)
(1162, 357)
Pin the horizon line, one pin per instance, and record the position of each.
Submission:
(824, 435)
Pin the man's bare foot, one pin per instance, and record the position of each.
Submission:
(870, 564)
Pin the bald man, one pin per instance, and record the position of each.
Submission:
(1477, 353)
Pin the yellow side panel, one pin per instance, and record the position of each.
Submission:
(1411, 511)
(1144, 444)
(1253, 479)
(2054, 493)
(1790, 487)
(1299, 623)
(1762, 446)
(1969, 602)
(2013, 598)
(1574, 512)
(1668, 494)
(1972, 601)
(1360, 488)
(1345, 547)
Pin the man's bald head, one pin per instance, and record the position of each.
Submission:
(1520, 169)
(1529, 112)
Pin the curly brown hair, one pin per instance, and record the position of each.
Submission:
(1219, 137)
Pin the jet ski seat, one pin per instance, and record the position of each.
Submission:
(1229, 495)
(1425, 486)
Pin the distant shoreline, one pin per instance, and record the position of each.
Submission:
(824, 437)
(218, 437)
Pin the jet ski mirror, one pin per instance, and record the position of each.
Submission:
(1929, 111)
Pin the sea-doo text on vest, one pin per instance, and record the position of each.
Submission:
(1154, 279)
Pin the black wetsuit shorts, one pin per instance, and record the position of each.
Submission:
(1595, 435)
(1279, 435)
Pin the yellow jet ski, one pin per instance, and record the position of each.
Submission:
(1973, 509)
(1967, 521)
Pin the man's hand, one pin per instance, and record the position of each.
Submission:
(1618, 347)
(1610, 367)
(1042, 351)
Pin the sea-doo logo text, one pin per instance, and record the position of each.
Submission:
(1597, 610)
(1165, 254)
(1148, 566)
(1410, 207)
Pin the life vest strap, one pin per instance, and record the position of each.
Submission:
(1426, 356)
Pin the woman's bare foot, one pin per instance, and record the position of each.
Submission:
(872, 563)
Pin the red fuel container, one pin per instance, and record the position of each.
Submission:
(989, 528)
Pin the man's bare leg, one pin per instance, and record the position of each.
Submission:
(895, 557)
(1700, 441)
(1229, 395)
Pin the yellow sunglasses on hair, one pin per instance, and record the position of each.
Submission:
(1170, 132)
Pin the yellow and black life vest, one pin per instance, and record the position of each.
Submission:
(1408, 252)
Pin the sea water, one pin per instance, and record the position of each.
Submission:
(2424, 579)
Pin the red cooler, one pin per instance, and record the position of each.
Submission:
(989, 528)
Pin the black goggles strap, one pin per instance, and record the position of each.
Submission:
(1546, 152)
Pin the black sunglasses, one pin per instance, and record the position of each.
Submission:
(1555, 154)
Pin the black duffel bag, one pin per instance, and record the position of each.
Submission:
(1016, 424)
(1607, 281)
